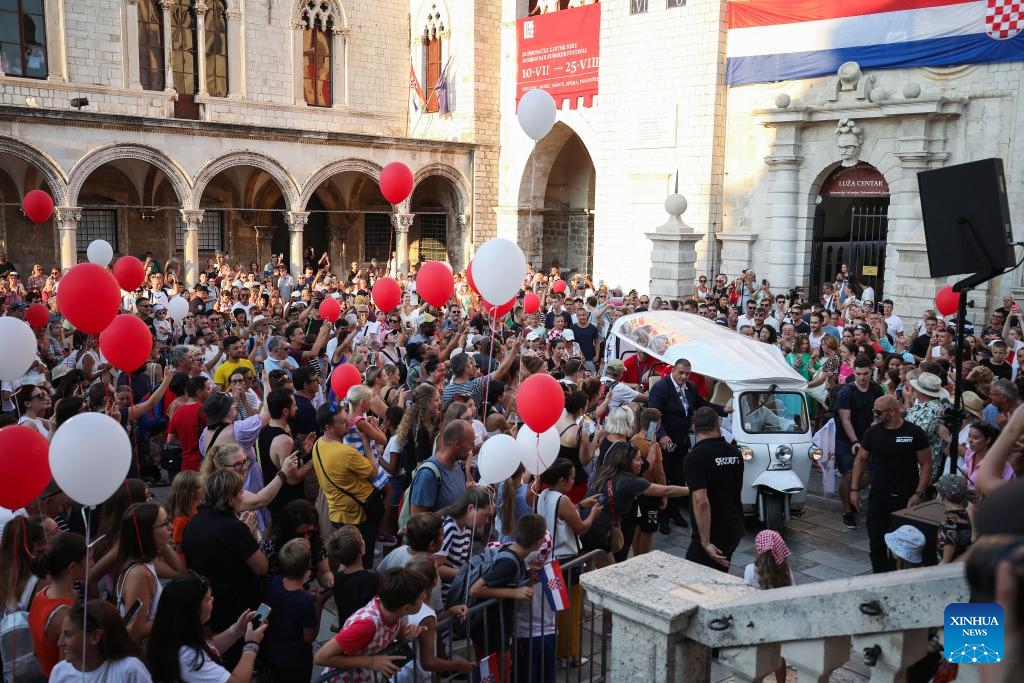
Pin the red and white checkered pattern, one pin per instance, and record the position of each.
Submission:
(1004, 18)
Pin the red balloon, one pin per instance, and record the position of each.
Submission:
(435, 283)
(38, 206)
(499, 311)
(126, 343)
(89, 297)
(387, 294)
(343, 378)
(947, 301)
(37, 316)
(396, 182)
(469, 279)
(330, 309)
(540, 401)
(531, 302)
(129, 273)
(25, 462)
(558, 287)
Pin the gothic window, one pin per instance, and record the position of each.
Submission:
(317, 54)
(151, 45)
(184, 56)
(22, 38)
(432, 59)
(216, 27)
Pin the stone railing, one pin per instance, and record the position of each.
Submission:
(667, 614)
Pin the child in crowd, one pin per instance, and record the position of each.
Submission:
(423, 537)
(182, 503)
(771, 570)
(905, 545)
(955, 533)
(428, 649)
(535, 623)
(353, 585)
(373, 627)
(296, 615)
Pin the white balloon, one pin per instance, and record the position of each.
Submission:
(18, 342)
(498, 270)
(498, 460)
(89, 456)
(537, 451)
(177, 308)
(536, 114)
(100, 252)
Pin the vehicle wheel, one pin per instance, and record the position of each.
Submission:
(773, 512)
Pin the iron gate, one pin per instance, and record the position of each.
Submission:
(865, 246)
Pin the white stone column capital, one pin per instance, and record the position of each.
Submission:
(68, 216)
(192, 218)
(201, 8)
(297, 220)
(67, 229)
(403, 221)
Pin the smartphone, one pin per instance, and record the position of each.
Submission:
(132, 611)
(262, 612)
(652, 429)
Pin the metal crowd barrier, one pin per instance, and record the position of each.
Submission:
(569, 648)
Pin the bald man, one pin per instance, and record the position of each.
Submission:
(900, 471)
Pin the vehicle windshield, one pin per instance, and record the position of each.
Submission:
(764, 412)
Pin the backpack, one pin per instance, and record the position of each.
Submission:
(20, 662)
(458, 590)
(155, 421)
(403, 516)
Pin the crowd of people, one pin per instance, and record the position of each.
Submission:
(284, 495)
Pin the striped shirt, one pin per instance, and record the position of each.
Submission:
(456, 547)
(474, 388)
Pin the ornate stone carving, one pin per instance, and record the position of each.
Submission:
(403, 221)
(296, 220)
(849, 140)
(233, 14)
(201, 8)
(192, 218)
(68, 216)
(849, 78)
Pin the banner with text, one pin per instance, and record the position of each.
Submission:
(560, 52)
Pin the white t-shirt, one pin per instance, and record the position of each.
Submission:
(391, 447)
(750, 576)
(895, 324)
(209, 672)
(127, 670)
(408, 673)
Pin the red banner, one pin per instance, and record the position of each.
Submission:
(560, 52)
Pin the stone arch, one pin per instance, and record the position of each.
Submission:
(319, 12)
(102, 155)
(449, 173)
(43, 162)
(324, 173)
(544, 153)
(284, 179)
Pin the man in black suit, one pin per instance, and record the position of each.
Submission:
(677, 398)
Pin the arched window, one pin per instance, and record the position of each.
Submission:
(317, 54)
(151, 45)
(216, 28)
(23, 38)
(433, 68)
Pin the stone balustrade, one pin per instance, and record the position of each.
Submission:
(668, 613)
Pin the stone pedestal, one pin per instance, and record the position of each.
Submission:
(737, 253)
(673, 253)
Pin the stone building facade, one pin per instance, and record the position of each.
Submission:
(247, 127)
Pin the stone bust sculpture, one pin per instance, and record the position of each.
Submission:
(848, 139)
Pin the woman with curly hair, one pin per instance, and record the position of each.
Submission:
(416, 433)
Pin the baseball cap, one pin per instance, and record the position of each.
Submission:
(616, 366)
(19, 306)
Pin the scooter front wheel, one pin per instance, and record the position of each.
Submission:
(773, 512)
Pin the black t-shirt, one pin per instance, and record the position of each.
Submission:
(893, 452)
(586, 337)
(717, 467)
(860, 404)
(216, 544)
(920, 346)
(549, 319)
(288, 492)
(304, 420)
(353, 591)
(1002, 371)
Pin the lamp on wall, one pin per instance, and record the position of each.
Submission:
(147, 214)
(79, 102)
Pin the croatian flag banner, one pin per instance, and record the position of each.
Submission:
(489, 669)
(777, 40)
(554, 586)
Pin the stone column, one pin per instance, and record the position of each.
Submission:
(402, 223)
(463, 258)
(190, 262)
(67, 226)
(168, 32)
(236, 54)
(737, 252)
(298, 96)
(296, 224)
(783, 164)
(339, 70)
(201, 46)
(133, 80)
(673, 253)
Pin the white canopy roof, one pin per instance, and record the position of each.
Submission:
(713, 350)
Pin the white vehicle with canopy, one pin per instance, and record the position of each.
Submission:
(770, 421)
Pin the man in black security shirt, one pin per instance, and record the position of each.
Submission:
(900, 470)
(714, 473)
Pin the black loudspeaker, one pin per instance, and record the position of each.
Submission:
(966, 218)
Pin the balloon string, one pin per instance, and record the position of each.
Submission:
(87, 519)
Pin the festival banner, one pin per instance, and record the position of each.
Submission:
(560, 52)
